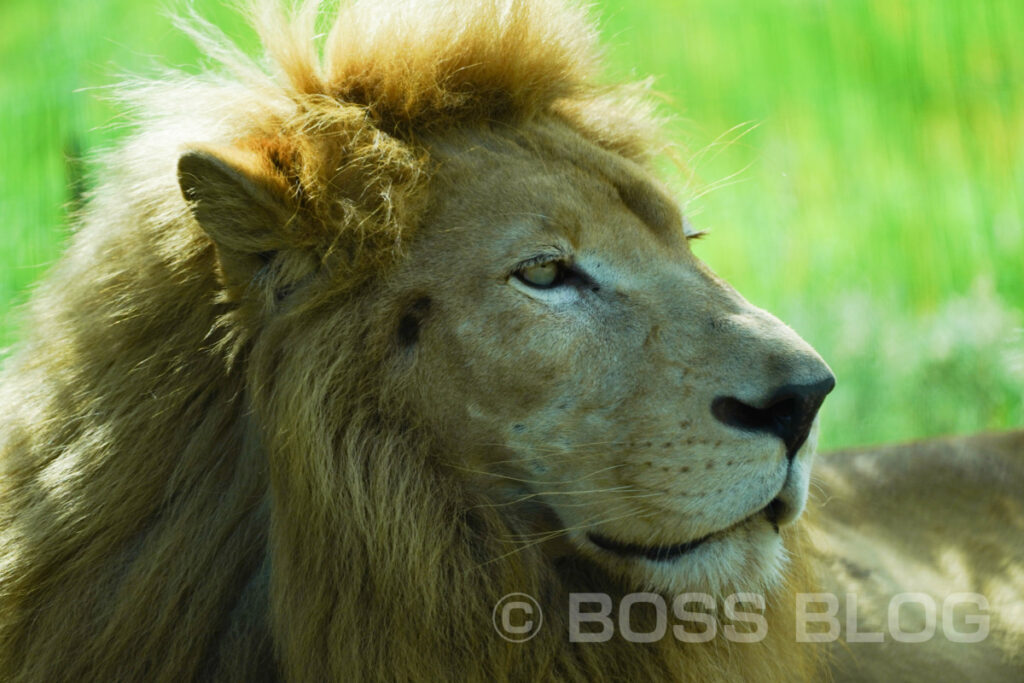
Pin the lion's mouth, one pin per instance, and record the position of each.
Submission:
(670, 553)
(656, 553)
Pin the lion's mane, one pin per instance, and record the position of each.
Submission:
(200, 481)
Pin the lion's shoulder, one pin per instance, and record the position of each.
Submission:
(931, 525)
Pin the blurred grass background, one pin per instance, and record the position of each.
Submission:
(860, 164)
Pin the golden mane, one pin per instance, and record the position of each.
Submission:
(180, 498)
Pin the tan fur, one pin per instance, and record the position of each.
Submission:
(938, 517)
(304, 422)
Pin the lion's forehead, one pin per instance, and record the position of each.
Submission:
(548, 175)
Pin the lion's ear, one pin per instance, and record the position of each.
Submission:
(238, 200)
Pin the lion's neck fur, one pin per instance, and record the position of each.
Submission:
(133, 497)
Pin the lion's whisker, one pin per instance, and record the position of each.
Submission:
(576, 448)
(629, 495)
(542, 536)
(543, 482)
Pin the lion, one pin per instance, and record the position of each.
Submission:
(937, 524)
(360, 337)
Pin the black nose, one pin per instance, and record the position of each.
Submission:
(787, 413)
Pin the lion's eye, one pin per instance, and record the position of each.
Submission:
(542, 275)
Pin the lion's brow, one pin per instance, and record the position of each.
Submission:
(647, 203)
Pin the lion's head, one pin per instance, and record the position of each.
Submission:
(441, 337)
(576, 363)
(581, 364)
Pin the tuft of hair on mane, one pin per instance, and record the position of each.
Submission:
(352, 107)
(202, 480)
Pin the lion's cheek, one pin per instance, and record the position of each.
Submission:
(505, 362)
(480, 395)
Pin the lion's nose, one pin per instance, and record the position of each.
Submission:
(787, 412)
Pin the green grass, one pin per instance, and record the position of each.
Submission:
(860, 165)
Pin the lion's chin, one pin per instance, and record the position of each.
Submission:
(747, 557)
